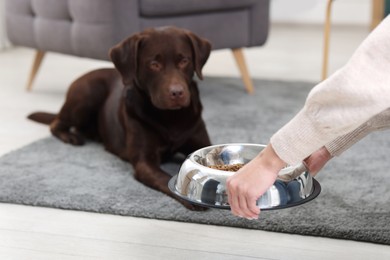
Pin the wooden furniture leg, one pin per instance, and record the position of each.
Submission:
(37, 62)
(240, 60)
(325, 60)
(378, 12)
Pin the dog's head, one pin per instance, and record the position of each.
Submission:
(161, 62)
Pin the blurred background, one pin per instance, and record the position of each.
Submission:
(302, 12)
(298, 24)
(294, 51)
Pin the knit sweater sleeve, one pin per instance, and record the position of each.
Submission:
(343, 102)
(343, 143)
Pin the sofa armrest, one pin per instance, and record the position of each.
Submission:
(259, 21)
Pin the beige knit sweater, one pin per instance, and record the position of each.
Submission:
(342, 143)
(344, 108)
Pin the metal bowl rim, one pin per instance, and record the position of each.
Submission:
(191, 156)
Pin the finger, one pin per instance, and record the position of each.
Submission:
(244, 208)
(238, 204)
(228, 191)
(235, 207)
(251, 203)
(230, 194)
(254, 209)
(233, 201)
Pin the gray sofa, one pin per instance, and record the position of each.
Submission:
(88, 28)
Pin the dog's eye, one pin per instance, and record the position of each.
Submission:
(155, 65)
(183, 62)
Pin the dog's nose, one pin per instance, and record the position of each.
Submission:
(176, 91)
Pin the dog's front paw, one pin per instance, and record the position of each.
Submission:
(70, 138)
(66, 133)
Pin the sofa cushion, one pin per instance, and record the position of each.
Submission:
(90, 27)
(158, 8)
(49, 10)
(208, 25)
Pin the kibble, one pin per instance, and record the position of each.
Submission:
(230, 168)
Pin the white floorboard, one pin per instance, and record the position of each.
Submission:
(292, 53)
(68, 234)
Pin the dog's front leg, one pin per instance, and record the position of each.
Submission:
(153, 176)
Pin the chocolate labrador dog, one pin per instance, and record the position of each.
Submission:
(145, 110)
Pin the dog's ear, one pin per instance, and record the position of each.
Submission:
(200, 51)
(125, 58)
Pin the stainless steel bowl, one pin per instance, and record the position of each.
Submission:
(202, 185)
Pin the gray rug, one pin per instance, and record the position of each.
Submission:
(354, 203)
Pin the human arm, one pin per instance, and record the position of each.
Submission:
(262, 169)
(380, 121)
(319, 158)
(341, 103)
(334, 108)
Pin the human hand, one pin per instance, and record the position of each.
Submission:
(317, 160)
(252, 181)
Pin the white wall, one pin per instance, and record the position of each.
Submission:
(3, 39)
(344, 12)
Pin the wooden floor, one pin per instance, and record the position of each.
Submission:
(292, 53)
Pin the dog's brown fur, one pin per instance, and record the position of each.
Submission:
(145, 110)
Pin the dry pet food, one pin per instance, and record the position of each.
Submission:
(230, 168)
